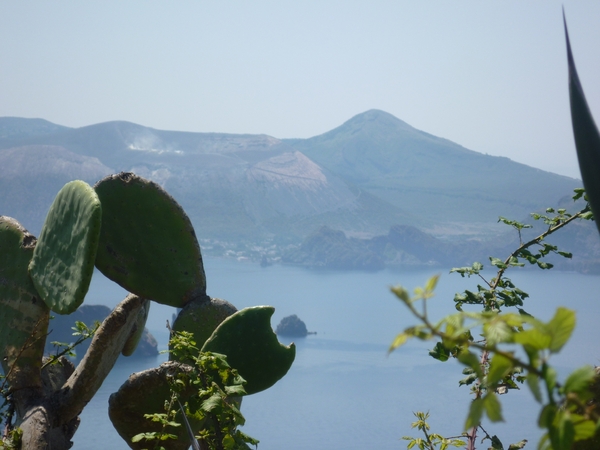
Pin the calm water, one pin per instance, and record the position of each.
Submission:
(343, 392)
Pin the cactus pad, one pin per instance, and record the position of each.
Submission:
(252, 347)
(138, 330)
(145, 393)
(63, 259)
(147, 243)
(200, 317)
(23, 315)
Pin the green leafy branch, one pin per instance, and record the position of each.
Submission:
(214, 404)
(564, 412)
(492, 364)
(80, 329)
(499, 291)
(432, 441)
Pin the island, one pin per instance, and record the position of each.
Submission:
(292, 326)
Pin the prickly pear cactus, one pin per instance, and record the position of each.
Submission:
(200, 317)
(147, 243)
(252, 347)
(63, 259)
(23, 315)
(145, 393)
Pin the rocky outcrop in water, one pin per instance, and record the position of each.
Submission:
(291, 326)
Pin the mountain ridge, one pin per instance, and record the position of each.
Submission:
(370, 173)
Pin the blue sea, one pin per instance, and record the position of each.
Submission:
(343, 391)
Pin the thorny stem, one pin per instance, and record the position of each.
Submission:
(68, 349)
(534, 241)
(485, 352)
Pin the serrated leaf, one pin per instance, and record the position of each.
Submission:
(432, 283)
(579, 381)
(500, 366)
(493, 408)
(212, 402)
(401, 293)
(498, 263)
(534, 386)
(561, 327)
(566, 431)
(440, 352)
(497, 331)
(534, 338)
(398, 341)
(471, 360)
(547, 415)
(584, 428)
(475, 413)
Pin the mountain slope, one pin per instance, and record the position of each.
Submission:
(433, 178)
(18, 127)
(370, 173)
(232, 186)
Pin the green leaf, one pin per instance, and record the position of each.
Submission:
(398, 341)
(500, 366)
(533, 338)
(212, 402)
(432, 283)
(497, 331)
(534, 386)
(498, 263)
(401, 293)
(584, 428)
(496, 443)
(518, 445)
(547, 415)
(440, 352)
(561, 327)
(493, 408)
(579, 381)
(475, 413)
(549, 377)
(471, 360)
(566, 431)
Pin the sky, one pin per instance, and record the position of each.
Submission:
(491, 76)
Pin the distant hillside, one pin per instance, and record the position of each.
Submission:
(407, 246)
(232, 186)
(433, 178)
(17, 127)
(369, 174)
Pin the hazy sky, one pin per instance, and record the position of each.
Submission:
(490, 75)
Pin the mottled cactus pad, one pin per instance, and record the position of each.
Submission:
(145, 393)
(201, 316)
(63, 259)
(147, 243)
(252, 347)
(23, 315)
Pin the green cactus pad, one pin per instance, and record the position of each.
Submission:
(134, 339)
(147, 244)
(63, 259)
(145, 393)
(252, 347)
(200, 317)
(23, 315)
